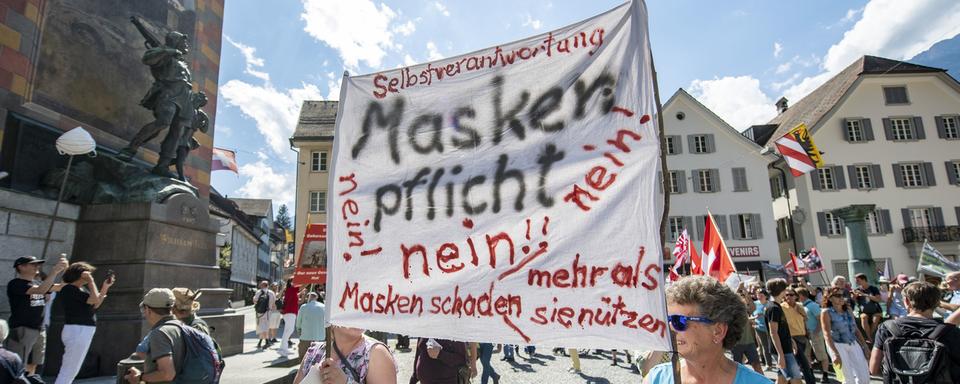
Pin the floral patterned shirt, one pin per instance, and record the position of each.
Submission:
(359, 359)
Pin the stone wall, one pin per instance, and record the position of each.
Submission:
(24, 220)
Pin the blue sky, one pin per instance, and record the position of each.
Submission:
(735, 56)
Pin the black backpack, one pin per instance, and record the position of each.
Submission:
(263, 303)
(912, 359)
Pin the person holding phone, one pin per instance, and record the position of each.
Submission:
(80, 299)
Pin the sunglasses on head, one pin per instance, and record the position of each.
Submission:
(680, 322)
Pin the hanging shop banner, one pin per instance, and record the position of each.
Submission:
(508, 195)
(312, 265)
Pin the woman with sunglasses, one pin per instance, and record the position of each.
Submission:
(845, 343)
(708, 319)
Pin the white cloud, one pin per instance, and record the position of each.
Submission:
(777, 48)
(529, 21)
(406, 29)
(782, 68)
(441, 8)
(275, 111)
(895, 29)
(250, 59)
(265, 182)
(357, 29)
(408, 60)
(737, 100)
(851, 15)
(432, 52)
(888, 28)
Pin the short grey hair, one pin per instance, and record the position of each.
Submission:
(4, 330)
(716, 302)
(836, 279)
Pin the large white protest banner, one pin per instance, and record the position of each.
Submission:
(508, 195)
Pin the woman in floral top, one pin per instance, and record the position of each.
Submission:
(365, 360)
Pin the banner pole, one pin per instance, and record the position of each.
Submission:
(674, 356)
(331, 182)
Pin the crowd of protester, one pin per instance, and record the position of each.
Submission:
(799, 332)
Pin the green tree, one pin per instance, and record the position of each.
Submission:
(283, 217)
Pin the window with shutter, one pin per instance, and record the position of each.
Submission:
(699, 144)
(676, 227)
(948, 128)
(874, 224)
(895, 95)
(902, 129)
(953, 172)
(911, 175)
(705, 184)
(834, 224)
(675, 182)
(825, 175)
(739, 179)
(854, 133)
(863, 178)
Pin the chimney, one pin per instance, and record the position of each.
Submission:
(781, 105)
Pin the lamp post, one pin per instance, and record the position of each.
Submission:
(74, 142)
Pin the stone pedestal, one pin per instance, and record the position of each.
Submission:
(148, 245)
(858, 245)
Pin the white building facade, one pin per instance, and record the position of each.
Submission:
(890, 136)
(712, 167)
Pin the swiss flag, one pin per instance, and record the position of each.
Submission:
(717, 261)
(696, 263)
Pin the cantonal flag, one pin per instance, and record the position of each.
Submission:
(797, 148)
(680, 251)
(224, 160)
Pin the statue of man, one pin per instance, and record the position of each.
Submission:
(187, 142)
(169, 98)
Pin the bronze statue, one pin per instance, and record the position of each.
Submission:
(169, 97)
(187, 142)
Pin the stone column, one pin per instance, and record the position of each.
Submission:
(858, 246)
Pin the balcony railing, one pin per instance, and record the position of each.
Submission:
(933, 234)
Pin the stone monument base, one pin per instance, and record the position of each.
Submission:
(148, 245)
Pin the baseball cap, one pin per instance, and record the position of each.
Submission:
(159, 298)
(185, 299)
(27, 260)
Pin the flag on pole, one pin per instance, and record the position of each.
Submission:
(932, 262)
(715, 255)
(798, 150)
(813, 260)
(680, 252)
(696, 263)
(886, 270)
(224, 160)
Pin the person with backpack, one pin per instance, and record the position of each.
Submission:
(265, 301)
(175, 353)
(917, 348)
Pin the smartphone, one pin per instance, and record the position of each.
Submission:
(112, 276)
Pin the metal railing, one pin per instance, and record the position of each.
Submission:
(933, 234)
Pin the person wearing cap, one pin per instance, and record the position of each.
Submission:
(165, 346)
(26, 295)
(185, 309)
(895, 306)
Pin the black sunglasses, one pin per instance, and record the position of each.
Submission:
(680, 322)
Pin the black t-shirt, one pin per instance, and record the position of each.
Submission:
(867, 305)
(25, 310)
(774, 313)
(924, 326)
(76, 311)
